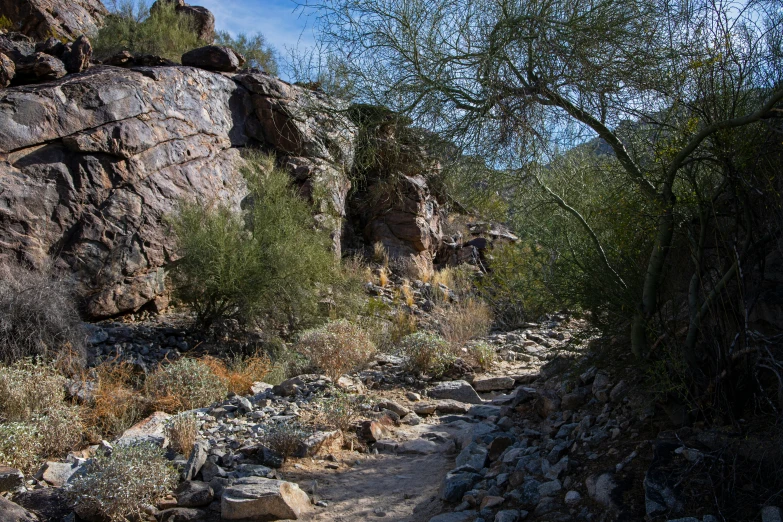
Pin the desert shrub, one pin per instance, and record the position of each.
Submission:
(184, 384)
(117, 486)
(464, 320)
(257, 53)
(457, 279)
(482, 354)
(135, 28)
(340, 410)
(27, 389)
(427, 352)
(117, 404)
(336, 347)
(182, 430)
(285, 438)
(267, 263)
(25, 445)
(38, 315)
(516, 285)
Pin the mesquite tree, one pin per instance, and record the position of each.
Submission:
(665, 84)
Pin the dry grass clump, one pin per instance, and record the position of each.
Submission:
(118, 404)
(407, 293)
(336, 347)
(118, 486)
(458, 279)
(239, 373)
(380, 254)
(38, 316)
(36, 422)
(383, 276)
(427, 353)
(285, 438)
(182, 430)
(464, 321)
(184, 384)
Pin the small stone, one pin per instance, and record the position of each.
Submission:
(619, 391)
(59, 473)
(373, 431)
(548, 489)
(197, 459)
(572, 498)
(473, 456)
(490, 502)
(413, 397)
(394, 407)
(455, 485)
(191, 494)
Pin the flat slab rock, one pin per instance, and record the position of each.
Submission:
(460, 391)
(487, 384)
(255, 498)
(10, 479)
(151, 429)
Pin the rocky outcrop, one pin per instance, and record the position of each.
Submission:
(203, 19)
(62, 19)
(91, 164)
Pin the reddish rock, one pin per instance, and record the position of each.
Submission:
(373, 431)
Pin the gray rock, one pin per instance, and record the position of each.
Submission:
(528, 493)
(600, 383)
(66, 19)
(196, 461)
(771, 514)
(38, 67)
(484, 411)
(59, 474)
(507, 515)
(548, 489)
(10, 512)
(575, 399)
(214, 58)
(394, 407)
(151, 430)
(494, 384)
(192, 494)
(263, 499)
(473, 456)
(601, 489)
(459, 516)
(572, 498)
(11, 479)
(77, 56)
(456, 390)
(7, 70)
(181, 514)
(211, 470)
(619, 391)
(455, 485)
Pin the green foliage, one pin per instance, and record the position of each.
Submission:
(482, 354)
(119, 485)
(6, 24)
(286, 437)
(267, 263)
(185, 384)
(340, 410)
(135, 28)
(427, 353)
(257, 53)
(516, 284)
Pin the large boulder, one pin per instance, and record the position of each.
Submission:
(39, 67)
(63, 19)
(7, 70)
(77, 55)
(214, 58)
(256, 498)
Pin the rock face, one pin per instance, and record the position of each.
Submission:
(90, 166)
(7, 70)
(64, 19)
(10, 512)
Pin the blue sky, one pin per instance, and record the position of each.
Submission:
(278, 20)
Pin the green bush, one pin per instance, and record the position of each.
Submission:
(119, 485)
(516, 285)
(135, 28)
(257, 53)
(427, 352)
(267, 263)
(185, 384)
